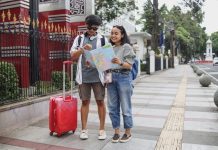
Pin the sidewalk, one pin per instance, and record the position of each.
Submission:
(170, 108)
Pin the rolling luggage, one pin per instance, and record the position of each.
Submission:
(63, 110)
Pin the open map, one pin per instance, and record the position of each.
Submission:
(101, 58)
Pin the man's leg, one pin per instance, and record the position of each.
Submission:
(99, 92)
(85, 95)
(84, 113)
(101, 113)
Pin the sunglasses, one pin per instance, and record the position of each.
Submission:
(92, 28)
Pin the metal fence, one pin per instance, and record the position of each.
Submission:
(30, 62)
(157, 63)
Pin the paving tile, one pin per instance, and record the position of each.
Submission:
(198, 147)
(201, 126)
(201, 115)
(133, 144)
(200, 137)
(10, 147)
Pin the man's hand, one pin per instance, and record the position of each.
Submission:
(87, 47)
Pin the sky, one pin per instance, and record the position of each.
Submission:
(210, 18)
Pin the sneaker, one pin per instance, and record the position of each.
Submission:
(102, 135)
(116, 138)
(125, 138)
(84, 134)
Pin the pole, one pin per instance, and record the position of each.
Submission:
(155, 26)
(172, 46)
(33, 37)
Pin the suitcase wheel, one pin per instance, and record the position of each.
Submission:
(51, 133)
(73, 131)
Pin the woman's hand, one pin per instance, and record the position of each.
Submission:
(87, 47)
(116, 60)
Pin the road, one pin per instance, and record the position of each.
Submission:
(210, 69)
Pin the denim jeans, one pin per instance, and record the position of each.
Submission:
(119, 95)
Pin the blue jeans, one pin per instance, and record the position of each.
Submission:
(119, 95)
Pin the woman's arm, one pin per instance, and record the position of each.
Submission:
(124, 65)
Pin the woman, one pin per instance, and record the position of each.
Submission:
(120, 89)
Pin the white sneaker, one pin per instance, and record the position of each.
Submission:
(102, 135)
(84, 135)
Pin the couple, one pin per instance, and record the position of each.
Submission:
(119, 91)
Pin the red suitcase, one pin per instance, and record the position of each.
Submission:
(63, 110)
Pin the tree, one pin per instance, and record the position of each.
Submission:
(110, 9)
(147, 17)
(214, 39)
(195, 8)
(190, 37)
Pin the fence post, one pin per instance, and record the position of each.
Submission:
(161, 62)
(152, 62)
(166, 57)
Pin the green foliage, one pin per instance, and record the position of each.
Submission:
(195, 8)
(190, 36)
(8, 81)
(43, 87)
(110, 9)
(143, 67)
(147, 17)
(57, 80)
(214, 39)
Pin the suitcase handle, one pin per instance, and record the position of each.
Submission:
(71, 81)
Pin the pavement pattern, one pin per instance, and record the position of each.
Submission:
(170, 111)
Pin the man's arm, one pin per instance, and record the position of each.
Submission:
(75, 50)
(76, 54)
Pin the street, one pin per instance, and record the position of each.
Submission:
(210, 69)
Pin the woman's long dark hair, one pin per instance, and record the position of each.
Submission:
(125, 38)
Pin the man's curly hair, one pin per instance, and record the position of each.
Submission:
(93, 20)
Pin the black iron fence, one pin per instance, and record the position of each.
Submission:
(157, 63)
(26, 71)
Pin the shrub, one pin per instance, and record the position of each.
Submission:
(143, 67)
(43, 87)
(57, 80)
(9, 81)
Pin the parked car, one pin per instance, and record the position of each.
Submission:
(215, 61)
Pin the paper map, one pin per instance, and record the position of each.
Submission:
(101, 58)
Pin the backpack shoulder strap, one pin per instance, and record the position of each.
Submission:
(102, 40)
(79, 41)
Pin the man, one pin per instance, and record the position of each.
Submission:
(87, 76)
